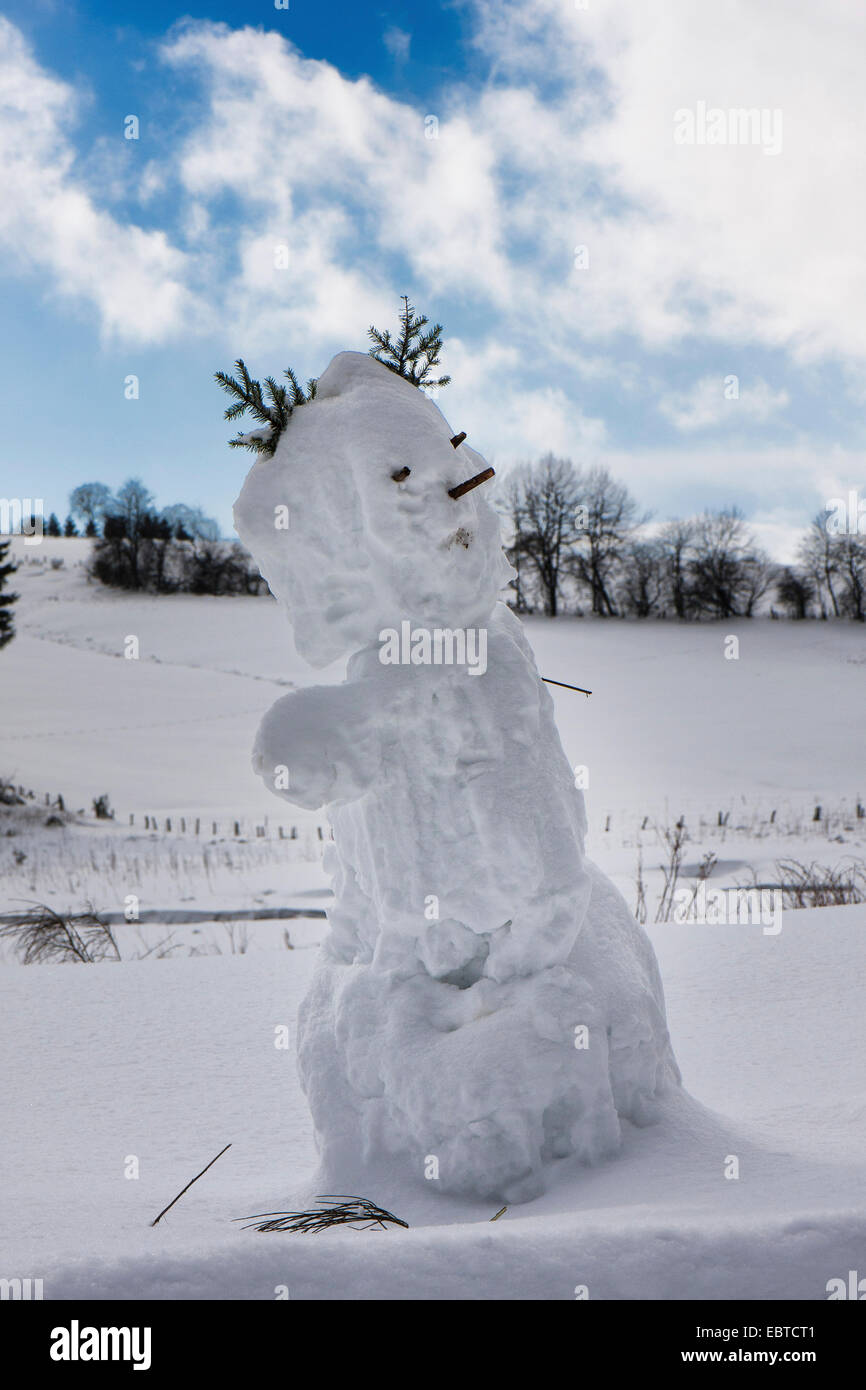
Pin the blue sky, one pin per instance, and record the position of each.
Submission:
(309, 128)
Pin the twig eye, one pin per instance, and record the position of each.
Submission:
(401, 475)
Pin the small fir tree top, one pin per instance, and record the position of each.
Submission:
(413, 354)
(271, 405)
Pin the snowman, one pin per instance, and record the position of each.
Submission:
(485, 1005)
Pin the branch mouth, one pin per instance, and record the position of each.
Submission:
(470, 483)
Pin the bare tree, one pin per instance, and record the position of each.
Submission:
(756, 576)
(728, 574)
(510, 503)
(852, 567)
(542, 501)
(190, 523)
(819, 558)
(90, 502)
(675, 540)
(643, 579)
(610, 520)
(795, 590)
(133, 503)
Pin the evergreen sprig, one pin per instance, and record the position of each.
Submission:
(414, 353)
(272, 405)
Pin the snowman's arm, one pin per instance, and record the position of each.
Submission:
(321, 744)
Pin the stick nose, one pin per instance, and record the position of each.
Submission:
(470, 483)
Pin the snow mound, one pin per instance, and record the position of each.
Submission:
(485, 1002)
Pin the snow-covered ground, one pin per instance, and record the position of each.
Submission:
(167, 1060)
(671, 724)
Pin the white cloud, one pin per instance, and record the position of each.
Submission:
(571, 144)
(507, 421)
(779, 480)
(711, 402)
(345, 176)
(50, 223)
(397, 42)
(719, 242)
(723, 241)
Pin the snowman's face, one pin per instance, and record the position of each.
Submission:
(348, 540)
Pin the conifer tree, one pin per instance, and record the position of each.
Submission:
(53, 526)
(69, 527)
(271, 405)
(414, 353)
(7, 630)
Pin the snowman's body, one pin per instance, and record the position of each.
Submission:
(484, 1003)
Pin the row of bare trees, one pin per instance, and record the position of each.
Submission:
(579, 542)
(169, 551)
(830, 576)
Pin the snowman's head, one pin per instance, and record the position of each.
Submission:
(352, 522)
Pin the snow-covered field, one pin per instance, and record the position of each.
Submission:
(166, 1060)
(672, 728)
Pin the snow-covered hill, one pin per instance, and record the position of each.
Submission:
(165, 1061)
(671, 721)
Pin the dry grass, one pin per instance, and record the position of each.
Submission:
(346, 1212)
(820, 885)
(42, 936)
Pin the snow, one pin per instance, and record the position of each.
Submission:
(171, 1059)
(110, 1061)
(362, 552)
(670, 720)
(470, 943)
